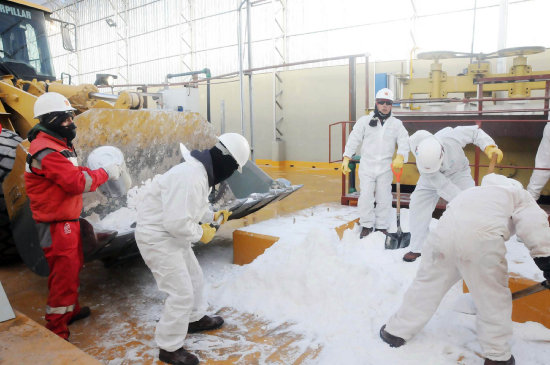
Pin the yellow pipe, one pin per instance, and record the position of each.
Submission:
(520, 68)
(77, 94)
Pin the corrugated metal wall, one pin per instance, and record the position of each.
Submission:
(155, 37)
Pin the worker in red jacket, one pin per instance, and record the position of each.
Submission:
(55, 184)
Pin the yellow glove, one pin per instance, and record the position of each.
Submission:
(489, 150)
(345, 168)
(397, 163)
(207, 233)
(224, 213)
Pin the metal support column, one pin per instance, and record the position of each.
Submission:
(250, 93)
(352, 89)
(278, 9)
(120, 8)
(240, 53)
(187, 39)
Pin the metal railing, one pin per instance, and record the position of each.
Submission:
(478, 117)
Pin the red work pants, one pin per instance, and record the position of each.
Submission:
(65, 259)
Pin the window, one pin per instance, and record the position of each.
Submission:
(33, 56)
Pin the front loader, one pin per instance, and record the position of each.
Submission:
(148, 138)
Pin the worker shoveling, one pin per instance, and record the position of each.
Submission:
(469, 244)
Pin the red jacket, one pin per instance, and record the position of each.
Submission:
(54, 181)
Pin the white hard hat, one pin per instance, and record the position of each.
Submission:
(237, 146)
(385, 94)
(429, 155)
(105, 156)
(51, 102)
(417, 137)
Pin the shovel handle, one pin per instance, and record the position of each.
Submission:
(398, 188)
(218, 222)
(492, 163)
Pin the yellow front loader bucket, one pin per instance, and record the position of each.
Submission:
(149, 140)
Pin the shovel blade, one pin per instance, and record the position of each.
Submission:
(405, 240)
(397, 240)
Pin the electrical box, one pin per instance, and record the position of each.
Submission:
(180, 99)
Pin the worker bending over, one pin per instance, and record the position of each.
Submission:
(55, 183)
(444, 172)
(377, 133)
(468, 243)
(539, 178)
(173, 214)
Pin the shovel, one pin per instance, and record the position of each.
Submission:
(531, 290)
(398, 239)
(466, 305)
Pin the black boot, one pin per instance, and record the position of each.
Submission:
(365, 231)
(179, 357)
(205, 323)
(84, 312)
(390, 339)
(510, 361)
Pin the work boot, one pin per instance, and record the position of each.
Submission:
(365, 231)
(383, 230)
(179, 357)
(205, 323)
(411, 256)
(390, 339)
(84, 312)
(510, 361)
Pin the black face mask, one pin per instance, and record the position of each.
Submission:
(68, 132)
(381, 115)
(53, 121)
(223, 165)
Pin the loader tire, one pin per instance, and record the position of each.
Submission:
(8, 144)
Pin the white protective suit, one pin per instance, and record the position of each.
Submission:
(169, 213)
(377, 148)
(539, 178)
(468, 243)
(453, 177)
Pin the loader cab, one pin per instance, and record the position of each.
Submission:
(24, 50)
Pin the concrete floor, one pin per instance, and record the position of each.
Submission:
(126, 304)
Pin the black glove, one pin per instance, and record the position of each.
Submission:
(544, 264)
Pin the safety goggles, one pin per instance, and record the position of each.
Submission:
(66, 115)
(56, 118)
(223, 149)
(382, 102)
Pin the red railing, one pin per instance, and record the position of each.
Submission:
(480, 117)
